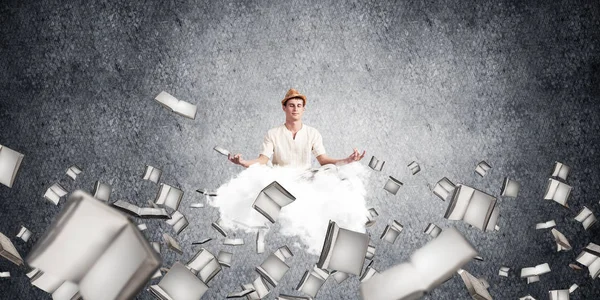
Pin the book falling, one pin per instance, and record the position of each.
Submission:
(376, 164)
(392, 185)
(152, 174)
(271, 199)
(443, 188)
(482, 168)
(180, 107)
(343, 250)
(10, 161)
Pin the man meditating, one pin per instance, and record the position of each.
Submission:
(290, 144)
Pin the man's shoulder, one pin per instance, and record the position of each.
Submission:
(310, 129)
(276, 129)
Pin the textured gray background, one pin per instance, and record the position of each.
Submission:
(448, 84)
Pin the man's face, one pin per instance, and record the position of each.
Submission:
(294, 108)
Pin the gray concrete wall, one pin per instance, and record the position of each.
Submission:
(446, 84)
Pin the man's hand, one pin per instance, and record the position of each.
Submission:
(237, 159)
(355, 156)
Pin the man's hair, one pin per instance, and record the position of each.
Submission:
(295, 98)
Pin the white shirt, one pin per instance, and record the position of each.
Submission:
(287, 151)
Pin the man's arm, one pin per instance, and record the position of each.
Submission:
(355, 156)
(237, 159)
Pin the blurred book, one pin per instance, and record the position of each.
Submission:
(224, 258)
(558, 192)
(102, 191)
(370, 252)
(545, 225)
(504, 271)
(476, 287)
(590, 257)
(221, 150)
(343, 250)
(24, 234)
(482, 168)
(368, 273)
(559, 294)
(372, 214)
(528, 297)
(472, 206)
(536, 271)
(376, 164)
(219, 227)
(180, 107)
(10, 161)
(573, 287)
(391, 232)
(429, 267)
(339, 276)
(414, 167)
(260, 287)
(562, 243)
(260, 241)
(271, 199)
(204, 264)
(4, 274)
(233, 241)
(54, 193)
(96, 247)
(141, 212)
(272, 269)
(312, 281)
(179, 284)
(443, 188)
(73, 171)
(206, 193)
(240, 294)
(169, 196)
(196, 205)
(283, 253)
(290, 297)
(561, 171)
(8, 250)
(152, 174)
(432, 230)
(178, 221)
(202, 241)
(172, 243)
(586, 218)
(392, 185)
(510, 188)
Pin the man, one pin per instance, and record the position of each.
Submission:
(290, 144)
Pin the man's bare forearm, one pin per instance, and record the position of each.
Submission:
(261, 160)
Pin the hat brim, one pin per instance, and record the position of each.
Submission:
(292, 96)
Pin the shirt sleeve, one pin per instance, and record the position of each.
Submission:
(317, 146)
(267, 146)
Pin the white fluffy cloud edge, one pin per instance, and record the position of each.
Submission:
(336, 194)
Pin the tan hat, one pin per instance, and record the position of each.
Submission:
(292, 93)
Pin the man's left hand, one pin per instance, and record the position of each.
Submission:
(355, 156)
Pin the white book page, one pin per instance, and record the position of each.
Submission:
(186, 109)
(10, 161)
(47, 282)
(66, 291)
(167, 100)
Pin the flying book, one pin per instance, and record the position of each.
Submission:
(4, 274)
(196, 205)
(283, 253)
(443, 188)
(271, 199)
(391, 232)
(561, 241)
(545, 225)
(573, 287)
(590, 257)
(97, 248)
(414, 167)
(433, 230)
(368, 273)
(219, 227)
(392, 185)
(10, 161)
(260, 241)
(172, 243)
(204, 264)
(224, 258)
(586, 218)
(141, 212)
(535, 271)
(376, 164)
(221, 150)
(152, 174)
(371, 216)
(504, 271)
(482, 168)
(205, 240)
(290, 297)
(429, 267)
(54, 193)
(528, 297)
(343, 250)
(241, 294)
(233, 242)
(178, 221)
(472, 206)
(179, 284)
(183, 108)
(73, 171)
(272, 269)
(24, 234)
(370, 252)
(510, 188)
(561, 171)
(312, 281)
(205, 192)
(477, 289)
(8, 250)
(559, 294)
(169, 196)
(557, 191)
(102, 191)
(339, 276)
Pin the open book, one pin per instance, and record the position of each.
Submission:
(561, 171)
(391, 232)
(24, 234)
(312, 280)
(272, 269)
(10, 161)
(271, 199)
(414, 167)
(221, 150)
(152, 174)
(96, 247)
(8, 250)
(179, 284)
(102, 191)
(503, 271)
(392, 185)
(429, 267)
(169, 196)
(562, 243)
(472, 206)
(178, 221)
(510, 188)
(172, 243)
(545, 225)
(224, 258)
(343, 250)
(590, 257)
(557, 191)
(482, 168)
(586, 218)
(54, 193)
(433, 230)
(558, 294)
(204, 264)
(73, 171)
(183, 108)
(477, 289)
(376, 164)
(535, 272)
(141, 212)
(443, 188)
